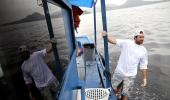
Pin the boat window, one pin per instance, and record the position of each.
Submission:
(22, 22)
(57, 19)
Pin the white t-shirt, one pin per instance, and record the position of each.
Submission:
(131, 56)
(36, 68)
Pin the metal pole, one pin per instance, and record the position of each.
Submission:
(104, 21)
(94, 15)
(51, 34)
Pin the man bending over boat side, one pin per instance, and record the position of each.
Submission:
(133, 53)
(34, 67)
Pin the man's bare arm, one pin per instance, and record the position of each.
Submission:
(49, 48)
(145, 75)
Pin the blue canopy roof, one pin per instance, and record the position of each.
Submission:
(82, 3)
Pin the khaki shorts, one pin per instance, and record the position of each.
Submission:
(128, 82)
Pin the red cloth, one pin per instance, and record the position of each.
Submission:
(76, 16)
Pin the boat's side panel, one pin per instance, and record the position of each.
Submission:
(70, 81)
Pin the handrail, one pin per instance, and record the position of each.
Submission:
(70, 80)
(104, 21)
(100, 69)
(104, 79)
(94, 17)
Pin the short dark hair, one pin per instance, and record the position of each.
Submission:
(141, 32)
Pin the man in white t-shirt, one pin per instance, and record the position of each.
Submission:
(35, 68)
(133, 53)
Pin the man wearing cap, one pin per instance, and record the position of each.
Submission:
(133, 53)
(34, 67)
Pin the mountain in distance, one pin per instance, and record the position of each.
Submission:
(34, 17)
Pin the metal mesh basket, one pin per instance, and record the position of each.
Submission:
(97, 94)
